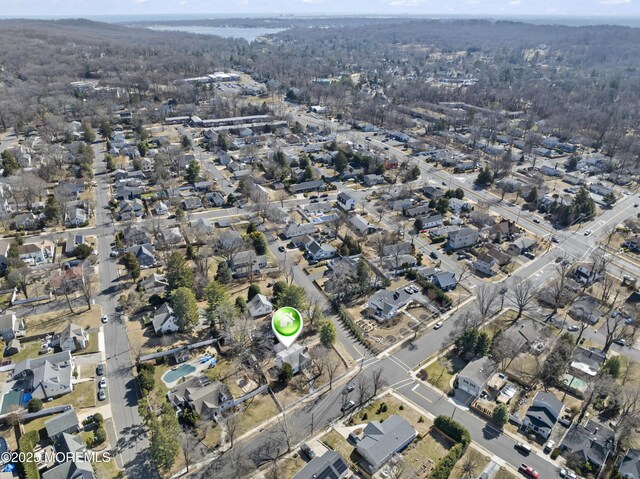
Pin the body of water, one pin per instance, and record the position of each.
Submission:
(249, 34)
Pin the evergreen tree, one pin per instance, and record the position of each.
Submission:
(193, 172)
(178, 272)
(185, 307)
(328, 333)
(224, 272)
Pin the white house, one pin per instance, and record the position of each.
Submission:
(296, 355)
(473, 378)
(10, 326)
(486, 264)
(317, 251)
(164, 321)
(259, 306)
(161, 208)
(346, 201)
(384, 305)
(73, 338)
(432, 221)
(463, 238)
(36, 253)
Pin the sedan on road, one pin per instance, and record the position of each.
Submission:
(105, 319)
(281, 249)
(103, 382)
(438, 325)
(587, 233)
(528, 471)
(572, 328)
(102, 394)
(100, 369)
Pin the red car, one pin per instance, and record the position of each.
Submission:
(528, 471)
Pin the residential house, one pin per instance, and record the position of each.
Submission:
(586, 308)
(144, 253)
(247, 263)
(521, 245)
(161, 208)
(203, 186)
(432, 221)
(129, 209)
(445, 280)
(600, 189)
(543, 414)
(12, 347)
(629, 465)
(259, 306)
(73, 240)
(550, 171)
(307, 186)
(298, 229)
(361, 225)
(215, 198)
(128, 193)
(384, 305)
(11, 326)
(401, 205)
(191, 203)
(398, 263)
(465, 166)
(486, 264)
(133, 234)
(36, 253)
(154, 283)
(432, 192)
(171, 236)
(318, 252)
(73, 338)
(65, 423)
(346, 201)
(585, 274)
(26, 221)
(593, 443)
(633, 244)
(403, 247)
(330, 465)
(71, 464)
(381, 440)
(209, 399)
(457, 206)
(475, 375)
(587, 362)
(47, 376)
(164, 320)
(76, 217)
(202, 226)
(416, 211)
(372, 180)
(462, 238)
(296, 356)
(67, 280)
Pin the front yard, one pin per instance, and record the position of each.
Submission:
(440, 372)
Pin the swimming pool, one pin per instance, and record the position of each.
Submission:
(11, 399)
(180, 371)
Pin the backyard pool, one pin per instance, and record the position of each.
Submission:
(180, 371)
(325, 218)
(11, 400)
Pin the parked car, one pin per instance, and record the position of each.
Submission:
(100, 369)
(113, 254)
(587, 233)
(523, 448)
(620, 342)
(308, 451)
(528, 471)
(549, 446)
(529, 254)
(348, 406)
(438, 325)
(105, 319)
(349, 388)
(103, 382)
(433, 255)
(536, 220)
(573, 328)
(281, 249)
(102, 394)
(568, 474)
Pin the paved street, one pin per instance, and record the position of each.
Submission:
(123, 394)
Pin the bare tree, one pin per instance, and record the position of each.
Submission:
(521, 293)
(469, 465)
(332, 366)
(281, 196)
(19, 278)
(363, 390)
(231, 423)
(398, 469)
(283, 425)
(377, 380)
(88, 283)
(188, 448)
(601, 386)
(486, 295)
(229, 244)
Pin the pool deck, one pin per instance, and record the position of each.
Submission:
(195, 362)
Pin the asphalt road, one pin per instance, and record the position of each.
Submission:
(132, 444)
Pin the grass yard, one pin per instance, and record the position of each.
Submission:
(505, 474)
(7, 432)
(87, 437)
(106, 469)
(290, 466)
(374, 412)
(474, 461)
(259, 409)
(28, 350)
(424, 454)
(57, 320)
(525, 367)
(335, 441)
(441, 371)
(83, 395)
(93, 346)
(37, 424)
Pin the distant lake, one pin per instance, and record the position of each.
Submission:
(249, 34)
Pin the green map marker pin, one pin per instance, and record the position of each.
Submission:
(287, 325)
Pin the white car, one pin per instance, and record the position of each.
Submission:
(587, 233)
(105, 319)
(103, 383)
(549, 445)
(568, 474)
(438, 325)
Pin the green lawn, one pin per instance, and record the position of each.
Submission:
(83, 395)
(441, 371)
(38, 423)
(28, 350)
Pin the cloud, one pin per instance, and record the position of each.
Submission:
(515, 2)
(139, 1)
(615, 2)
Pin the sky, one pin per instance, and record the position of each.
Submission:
(90, 8)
